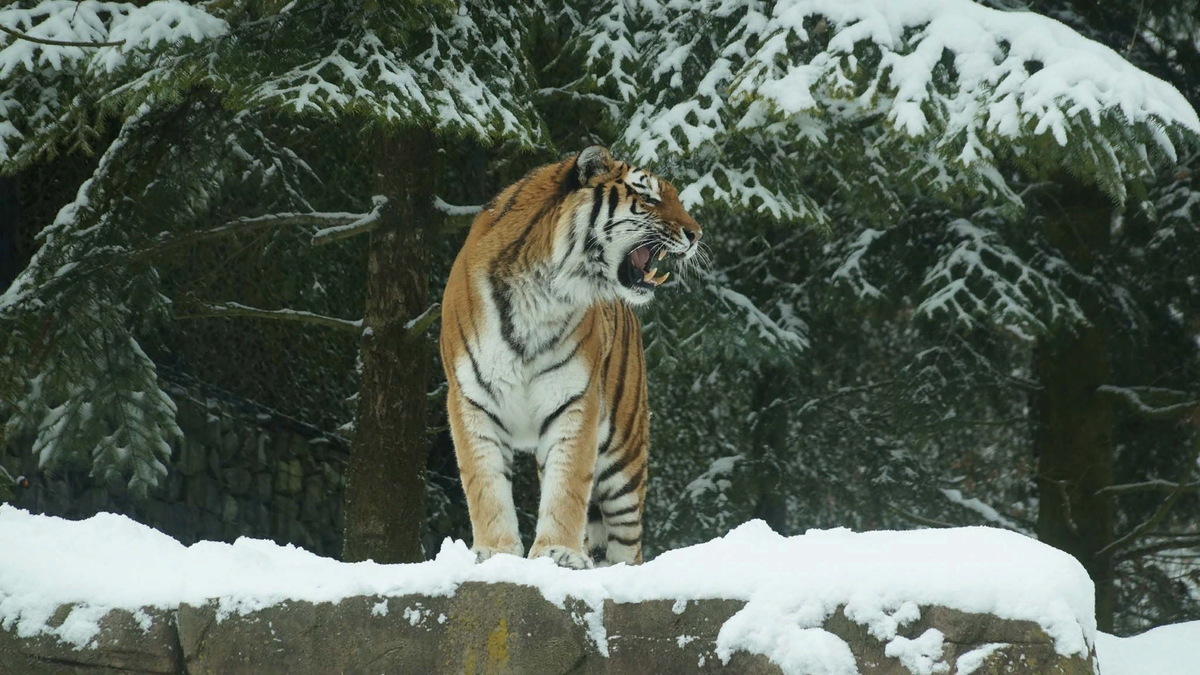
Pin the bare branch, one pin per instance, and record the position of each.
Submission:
(168, 241)
(453, 210)
(362, 223)
(421, 323)
(233, 309)
(1156, 485)
(56, 43)
(1158, 547)
(1165, 507)
(1135, 397)
(983, 510)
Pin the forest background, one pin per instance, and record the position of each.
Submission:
(955, 251)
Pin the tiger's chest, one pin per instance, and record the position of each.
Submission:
(526, 362)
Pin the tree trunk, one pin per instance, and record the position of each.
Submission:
(385, 490)
(1074, 423)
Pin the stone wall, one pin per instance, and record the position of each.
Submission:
(240, 470)
(504, 629)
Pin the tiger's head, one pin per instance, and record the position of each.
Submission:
(633, 226)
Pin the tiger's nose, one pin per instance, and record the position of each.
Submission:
(691, 236)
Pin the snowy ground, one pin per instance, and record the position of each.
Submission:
(1166, 650)
(790, 584)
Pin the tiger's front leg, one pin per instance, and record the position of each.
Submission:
(566, 456)
(485, 464)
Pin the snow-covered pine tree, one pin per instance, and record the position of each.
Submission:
(69, 361)
(870, 119)
(193, 92)
(1155, 356)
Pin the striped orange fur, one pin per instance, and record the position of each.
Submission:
(543, 353)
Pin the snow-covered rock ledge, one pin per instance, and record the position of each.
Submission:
(109, 594)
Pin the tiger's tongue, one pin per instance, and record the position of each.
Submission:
(640, 256)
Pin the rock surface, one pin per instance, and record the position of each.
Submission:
(497, 628)
(128, 642)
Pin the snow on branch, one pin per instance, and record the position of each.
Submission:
(471, 76)
(715, 479)
(56, 43)
(742, 184)
(62, 33)
(1156, 485)
(454, 210)
(609, 44)
(988, 513)
(947, 91)
(851, 271)
(1178, 544)
(328, 221)
(1161, 403)
(768, 329)
(99, 403)
(30, 283)
(1013, 71)
(234, 309)
(416, 327)
(979, 277)
(52, 51)
(361, 223)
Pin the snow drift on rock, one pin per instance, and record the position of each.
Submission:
(790, 584)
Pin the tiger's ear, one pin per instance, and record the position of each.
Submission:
(592, 163)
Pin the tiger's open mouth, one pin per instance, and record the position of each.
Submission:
(640, 267)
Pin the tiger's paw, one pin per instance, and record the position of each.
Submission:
(484, 552)
(563, 557)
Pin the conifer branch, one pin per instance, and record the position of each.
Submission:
(362, 223)
(234, 309)
(56, 43)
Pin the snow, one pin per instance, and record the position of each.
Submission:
(1166, 650)
(767, 327)
(958, 84)
(990, 48)
(454, 209)
(978, 277)
(360, 224)
(921, 655)
(467, 80)
(982, 509)
(790, 585)
(713, 480)
(972, 660)
(450, 85)
(851, 271)
(137, 28)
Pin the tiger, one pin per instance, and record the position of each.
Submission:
(543, 353)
